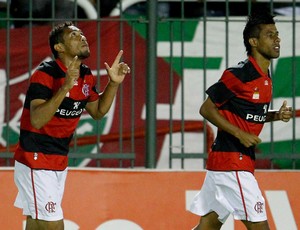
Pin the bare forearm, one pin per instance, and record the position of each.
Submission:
(107, 97)
(219, 121)
(285, 113)
(99, 108)
(272, 115)
(209, 111)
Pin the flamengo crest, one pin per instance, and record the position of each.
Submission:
(85, 89)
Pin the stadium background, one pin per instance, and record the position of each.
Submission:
(154, 122)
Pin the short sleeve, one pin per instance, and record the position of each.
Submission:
(39, 86)
(223, 90)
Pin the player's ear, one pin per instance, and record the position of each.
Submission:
(59, 47)
(253, 42)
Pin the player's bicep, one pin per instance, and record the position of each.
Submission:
(36, 103)
(208, 107)
(219, 93)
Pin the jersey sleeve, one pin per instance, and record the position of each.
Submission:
(224, 89)
(40, 86)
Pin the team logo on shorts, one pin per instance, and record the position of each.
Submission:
(259, 207)
(50, 207)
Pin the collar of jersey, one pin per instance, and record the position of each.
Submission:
(253, 61)
(61, 65)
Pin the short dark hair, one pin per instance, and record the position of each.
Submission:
(253, 25)
(56, 36)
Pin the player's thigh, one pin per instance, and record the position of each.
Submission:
(34, 224)
(263, 225)
(209, 221)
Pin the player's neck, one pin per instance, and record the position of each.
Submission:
(66, 60)
(262, 62)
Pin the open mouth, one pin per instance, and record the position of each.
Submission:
(277, 48)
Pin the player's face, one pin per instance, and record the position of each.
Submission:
(268, 42)
(75, 43)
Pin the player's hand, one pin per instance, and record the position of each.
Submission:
(72, 74)
(248, 139)
(285, 112)
(118, 70)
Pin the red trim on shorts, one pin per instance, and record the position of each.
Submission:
(242, 195)
(34, 195)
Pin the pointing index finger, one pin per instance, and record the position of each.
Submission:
(73, 63)
(118, 57)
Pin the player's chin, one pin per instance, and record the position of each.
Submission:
(276, 54)
(84, 55)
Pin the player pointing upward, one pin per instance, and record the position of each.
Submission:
(58, 93)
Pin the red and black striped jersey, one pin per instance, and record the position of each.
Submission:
(48, 147)
(243, 96)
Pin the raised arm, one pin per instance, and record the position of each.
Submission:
(116, 73)
(42, 111)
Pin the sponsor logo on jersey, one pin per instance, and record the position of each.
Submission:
(69, 113)
(256, 118)
(76, 111)
(76, 105)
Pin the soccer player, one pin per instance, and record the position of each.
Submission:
(59, 91)
(238, 105)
